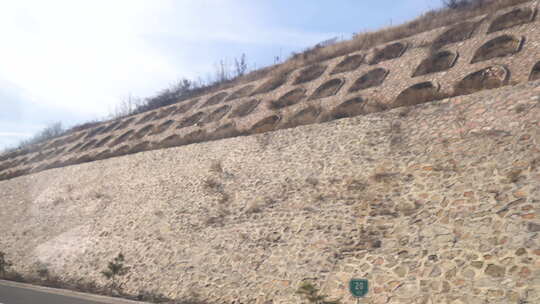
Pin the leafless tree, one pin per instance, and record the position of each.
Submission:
(240, 65)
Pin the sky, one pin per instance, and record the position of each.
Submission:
(74, 61)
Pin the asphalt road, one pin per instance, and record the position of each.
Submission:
(16, 293)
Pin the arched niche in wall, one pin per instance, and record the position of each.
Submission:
(142, 132)
(487, 78)
(535, 72)
(110, 127)
(163, 127)
(349, 108)
(94, 132)
(165, 112)
(310, 73)
(288, 99)
(52, 165)
(418, 93)
(122, 138)
(242, 92)
(305, 116)
(217, 114)
(140, 147)
(272, 83)
(124, 124)
(23, 160)
(437, 62)
(88, 145)
(6, 165)
(103, 141)
(7, 156)
(75, 147)
(185, 106)
(191, 120)
(513, 18)
(196, 136)
(15, 173)
(390, 51)
(122, 150)
(460, 32)
(264, 125)
(56, 143)
(146, 118)
(102, 155)
(214, 99)
(225, 131)
(245, 108)
(348, 64)
(370, 79)
(327, 89)
(170, 141)
(501, 46)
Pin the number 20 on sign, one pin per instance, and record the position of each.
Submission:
(358, 288)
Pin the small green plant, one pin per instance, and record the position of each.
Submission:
(4, 264)
(43, 272)
(311, 294)
(115, 269)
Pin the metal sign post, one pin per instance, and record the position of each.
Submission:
(358, 288)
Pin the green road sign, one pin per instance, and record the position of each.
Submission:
(358, 287)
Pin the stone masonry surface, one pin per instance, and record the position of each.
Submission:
(491, 56)
(433, 203)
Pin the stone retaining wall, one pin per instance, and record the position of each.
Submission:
(482, 53)
(433, 203)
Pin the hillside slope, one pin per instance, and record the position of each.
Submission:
(435, 203)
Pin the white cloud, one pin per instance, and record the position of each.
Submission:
(80, 55)
(84, 56)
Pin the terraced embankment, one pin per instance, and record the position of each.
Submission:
(434, 202)
(437, 202)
